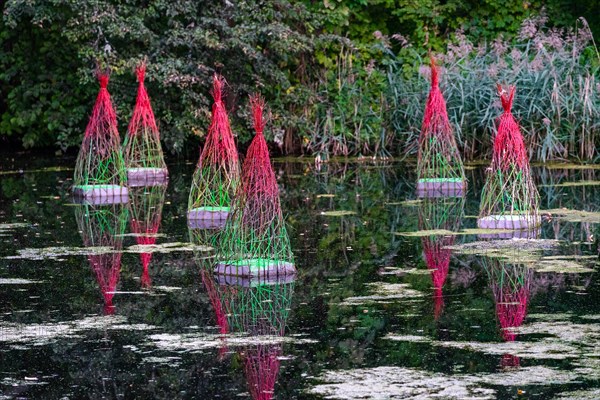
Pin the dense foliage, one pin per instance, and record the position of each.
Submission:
(330, 69)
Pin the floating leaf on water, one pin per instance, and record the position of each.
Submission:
(432, 232)
(198, 341)
(402, 271)
(568, 215)
(383, 292)
(16, 281)
(11, 226)
(340, 213)
(47, 169)
(153, 235)
(42, 334)
(573, 183)
(560, 266)
(511, 250)
(570, 166)
(585, 394)
(444, 232)
(49, 253)
(390, 382)
(167, 248)
(410, 203)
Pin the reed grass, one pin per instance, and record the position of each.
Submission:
(556, 73)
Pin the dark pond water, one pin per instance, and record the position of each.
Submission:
(365, 317)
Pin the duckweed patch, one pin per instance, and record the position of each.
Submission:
(383, 292)
(383, 383)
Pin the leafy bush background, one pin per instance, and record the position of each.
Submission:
(341, 77)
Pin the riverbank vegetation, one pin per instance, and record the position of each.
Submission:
(341, 77)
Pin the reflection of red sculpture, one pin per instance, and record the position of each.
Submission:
(104, 226)
(215, 300)
(258, 308)
(146, 236)
(107, 268)
(437, 258)
(435, 215)
(511, 288)
(146, 212)
(219, 304)
(511, 308)
(261, 364)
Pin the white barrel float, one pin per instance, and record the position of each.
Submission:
(255, 267)
(101, 194)
(441, 187)
(207, 217)
(233, 280)
(147, 176)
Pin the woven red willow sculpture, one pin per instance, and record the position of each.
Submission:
(99, 169)
(436, 215)
(146, 212)
(103, 226)
(509, 199)
(440, 169)
(217, 174)
(143, 153)
(255, 241)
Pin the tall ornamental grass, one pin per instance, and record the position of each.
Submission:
(555, 70)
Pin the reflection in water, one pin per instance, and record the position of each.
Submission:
(103, 226)
(257, 307)
(146, 206)
(260, 309)
(511, 284)
(437, 214)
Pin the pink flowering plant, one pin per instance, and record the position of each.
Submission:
(555, 70)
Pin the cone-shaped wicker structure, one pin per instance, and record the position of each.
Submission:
(146, 206)
(440, 171)
(258, 307)
(100, 170)
(255, 241)
(217, 174)
(143, 153)
(510, 283)
(103, 226)
(509, 199)
(436, 215)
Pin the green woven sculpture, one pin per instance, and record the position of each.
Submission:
(99, 169)
(440, 171)
(143, 153)
(509, 199)
(255, 241)
(217, 174)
